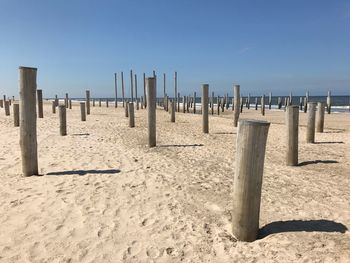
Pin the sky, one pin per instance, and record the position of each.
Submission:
(263, 45)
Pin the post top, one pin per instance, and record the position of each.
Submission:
(254, 122)
(22, 67)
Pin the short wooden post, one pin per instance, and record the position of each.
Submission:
(249, 168)
(82, 111)
(100, 102)
(329, 103)
(172, 110)
(7, 108)
(178, 102)
(1, 103)
(131, 115)
(263, 105)
(184, 104)
(56, 100)
(107, 103)
(194, 102)
(70, 104)
(237, 97)
(66, 101)
(88, 102)
(53, 106)
(137, 103)
(16, 114)
(292, 124)
(222, 104)
(320, 116)
(151, 111)
(63, 119)
(127, 109)
(40, 103)
(142, 102)
(28, 133)
(310, 129)
(205, 120)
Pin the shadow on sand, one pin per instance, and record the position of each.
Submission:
(182, 145)
(84, 172)
(80, 134)
(301, 226)
(327, 142)
(316, 162)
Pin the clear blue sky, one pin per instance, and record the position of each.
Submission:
(262, 45)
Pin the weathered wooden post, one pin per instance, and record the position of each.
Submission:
(123, 98)
(53, 106)
(205, 120)
(115, 91)
(151, 111)
(301, 103)
(237, 97)
(194, 102)
(1, 103)
(142, 102)
(40, 103)
(218, 105)
(88, 102)
(70, 104)
(187, 104)
(82, 111)
(66, 101)
(127, 109)
(172, 111)
(107, 105)
(131, 86)
(184, 104)
(7, 108)
(320, 116)
(242, 104)
(270, 100)
(164, 86)
(99, 102)
(279, 102)
(292, 124)
(175, 88)
(290, 101)
(329, 102)
(263, 105)
(136, 98)
(93, 102)
(56, 100)
(28, 134)
(144, 90)
(16, 114)
(131, 115)
(212, 103)
(227, 102)
(249, 168)
(63, 119)
(256, 103)
(310, 129)
(222, 104)
(306, 101)
(178, 101)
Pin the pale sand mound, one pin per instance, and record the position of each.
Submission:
(106, 197)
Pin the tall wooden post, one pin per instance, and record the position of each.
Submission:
(218, 105)
(144, 90)
(205, 117)
(131, 86)
(53, 106)
(175, 87)
(28, 132)
(40, 103)
(237, 97)
(320, 116)
(329, 103)
(123, 97)
(310, 129)
(137, 100)
(115, 91)
(249, 168)
(88, 102)
(151, 111)
(82, 111)
(292, 124)
(212, 103)
(16, 114)
(184, 104)
(63, 119)
(7, 108)
(131, 115)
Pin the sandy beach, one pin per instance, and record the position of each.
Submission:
(104, 196)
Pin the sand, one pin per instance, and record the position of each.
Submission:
(104, 196)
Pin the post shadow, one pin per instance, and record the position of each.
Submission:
(181, 145)
(85, 172)
(320, 225)
(328, 142)
(316, 162)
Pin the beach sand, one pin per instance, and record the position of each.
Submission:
(104, 196)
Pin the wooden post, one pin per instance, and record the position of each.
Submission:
(131, 86)
(270, 100)
(178, 101)
(241, 104)
(142, 102)
(263, 105)
(187, 104)
(329, 103)
(63, 119)
(237, 97)
(53, 107)
(93, 102)
(256, 103)
(164, 85)
(218, 105)
(301, 103)
(205, 120)
(227, 103)
(290, 101)
(194, 102)
(137, 106)
(70, 104)
(212, 103)
(56, 100)
(28, 133)
(99, 102)
(127, 109)
(123, 98)
(1, 103)
(82, 111)
(144, 90)
(250, 155)
(184, 104)
(292, 124)
(222, 104)
(306, 101)
(151, 111)
(66, 101)
(107, 105)
(172, 113)
(131, 115)
(7, 108)
(116, 91)
(40, 103)
(88, 102)
(248, 101)
(175, 88)
(310, 129)
(279, 102)
(16, 114)
(320, 116)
